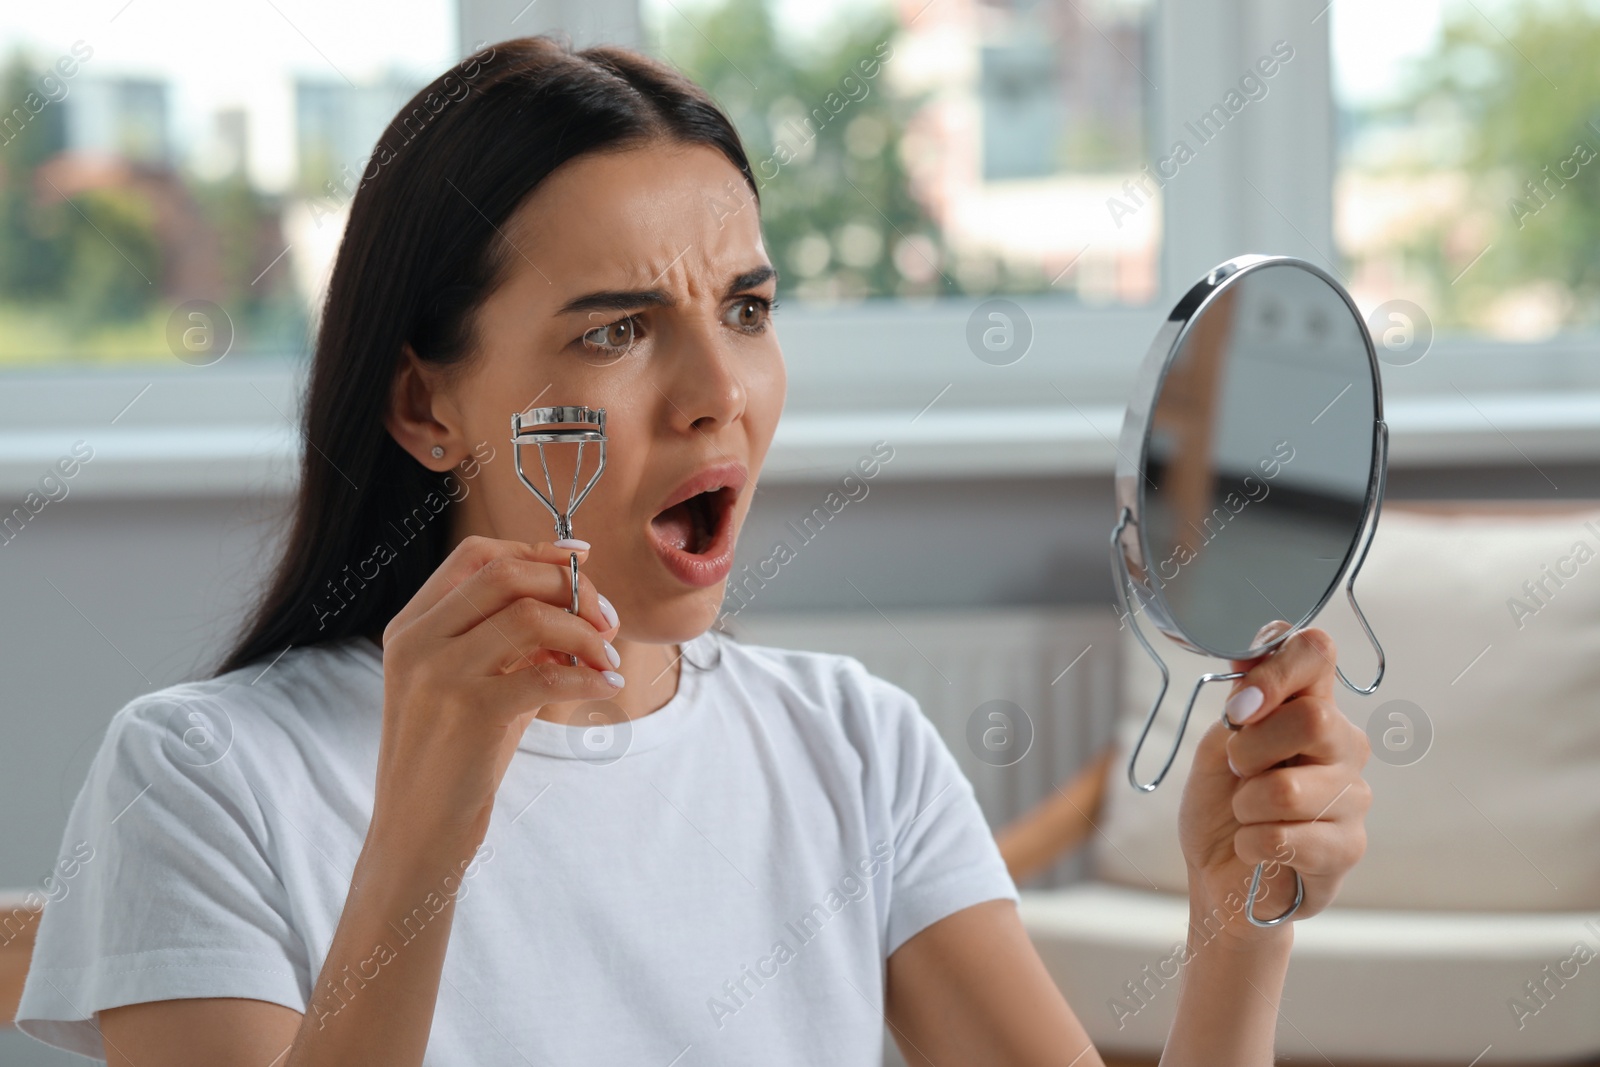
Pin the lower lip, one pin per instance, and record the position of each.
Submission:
(707, 568)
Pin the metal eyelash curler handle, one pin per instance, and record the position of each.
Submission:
(561, 424)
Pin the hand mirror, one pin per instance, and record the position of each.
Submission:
(1250, 474)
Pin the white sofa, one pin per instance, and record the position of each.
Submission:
(1470, 932)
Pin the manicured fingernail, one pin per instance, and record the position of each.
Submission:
(608, 611)
(1232, 768)
(611, 654)
(573, 543)
(1242, 705)
(616, 680)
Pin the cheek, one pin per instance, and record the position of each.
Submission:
(767, 388)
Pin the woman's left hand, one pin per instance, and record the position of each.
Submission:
(1286, 789)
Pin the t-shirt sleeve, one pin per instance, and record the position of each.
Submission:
(163, 889)
(944, 855)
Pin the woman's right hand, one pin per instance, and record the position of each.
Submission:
(474, 655)
(468, 661)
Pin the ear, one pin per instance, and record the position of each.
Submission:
(422, 414)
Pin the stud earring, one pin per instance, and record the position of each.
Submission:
(438, 451)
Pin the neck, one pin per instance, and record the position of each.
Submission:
(652, 672)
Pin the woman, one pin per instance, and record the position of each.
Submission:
(758, 856)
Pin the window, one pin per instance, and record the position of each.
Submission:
(172, 175)
(1469, 161)
(921, 159)
(924, 150)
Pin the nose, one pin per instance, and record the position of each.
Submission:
(707, 392)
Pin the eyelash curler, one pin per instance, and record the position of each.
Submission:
(561, 425)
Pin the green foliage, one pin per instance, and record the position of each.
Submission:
(1525, 92)
(264, 306)
(113, 259)
(32, 252)
(88, 278)
(844, 182)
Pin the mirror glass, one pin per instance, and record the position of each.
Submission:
(1258, 456)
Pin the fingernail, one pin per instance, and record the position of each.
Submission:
(616, 680)
(1243, 704)
(572, 542)
(607, 610)
(611, 654)
(1232, 768)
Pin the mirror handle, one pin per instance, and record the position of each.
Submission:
(1255, 887)
(1380, 459)
(1119, 570)
(1119, 567)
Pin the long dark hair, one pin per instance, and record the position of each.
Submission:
(422, 249)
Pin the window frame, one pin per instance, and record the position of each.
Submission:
(889, 368)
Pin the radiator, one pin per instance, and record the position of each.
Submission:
(1059, 666)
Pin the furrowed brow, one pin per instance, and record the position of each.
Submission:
(752, 278)
(630, 299)
(617, 300)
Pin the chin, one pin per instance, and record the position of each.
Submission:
(676, 617)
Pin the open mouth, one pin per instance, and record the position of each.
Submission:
(693, 533)
(694, 526)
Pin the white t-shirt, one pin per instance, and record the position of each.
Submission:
(720, 881)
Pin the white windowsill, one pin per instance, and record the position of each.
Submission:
(810, 447)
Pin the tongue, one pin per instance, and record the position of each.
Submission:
(675, 526)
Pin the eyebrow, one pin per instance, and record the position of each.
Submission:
(625, 299)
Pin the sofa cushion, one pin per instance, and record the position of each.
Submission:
(1490, 618)
(1363, 985)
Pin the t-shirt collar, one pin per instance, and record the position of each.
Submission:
(607, 737)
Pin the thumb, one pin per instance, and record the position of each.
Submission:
(1271, 631)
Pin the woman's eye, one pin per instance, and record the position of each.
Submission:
(612, 338)
(749, 313)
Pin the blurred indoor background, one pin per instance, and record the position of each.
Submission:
(174, 176)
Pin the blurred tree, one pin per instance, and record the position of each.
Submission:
(255, 282)
(94, 275)
(824, 139)
(1525, 91)
(33, 255)
(94, 258)
(113, 259)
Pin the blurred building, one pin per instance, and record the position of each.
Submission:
(120, 116)
(1035, 117)
(337, 125)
